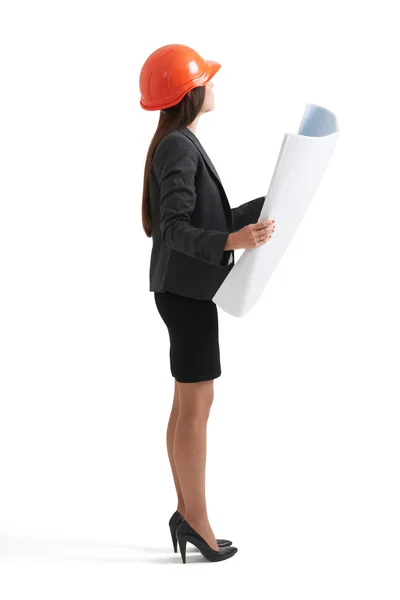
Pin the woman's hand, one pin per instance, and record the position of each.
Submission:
(251, 236)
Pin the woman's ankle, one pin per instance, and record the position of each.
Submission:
(200, 521)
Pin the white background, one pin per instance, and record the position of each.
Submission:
(303, 436)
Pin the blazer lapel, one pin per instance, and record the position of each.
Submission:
(226, 206)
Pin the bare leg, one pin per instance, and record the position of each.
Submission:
(190, 449)
(170, 445)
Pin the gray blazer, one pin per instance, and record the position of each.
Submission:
(191, 219)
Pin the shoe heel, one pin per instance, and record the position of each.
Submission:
(174, 540)
(182, 548)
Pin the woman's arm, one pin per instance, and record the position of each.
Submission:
(175, 168)
(247, 213)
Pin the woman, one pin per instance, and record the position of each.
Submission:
(194, 231)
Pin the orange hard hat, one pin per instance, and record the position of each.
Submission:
(170, 72)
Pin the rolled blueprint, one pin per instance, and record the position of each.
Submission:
(301, 163)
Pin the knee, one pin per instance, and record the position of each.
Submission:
(195, 399)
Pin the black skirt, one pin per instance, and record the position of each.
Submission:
(193, 332)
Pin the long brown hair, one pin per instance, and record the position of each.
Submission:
(171, 119)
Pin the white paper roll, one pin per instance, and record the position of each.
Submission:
(300, 166)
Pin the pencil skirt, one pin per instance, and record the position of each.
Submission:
(193, 333)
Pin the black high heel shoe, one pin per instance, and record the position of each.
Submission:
(173, 525)
(185, 533)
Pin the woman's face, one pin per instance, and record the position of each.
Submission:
(208, 103)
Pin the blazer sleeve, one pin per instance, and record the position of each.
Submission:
(247, 213)
(175, 168)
